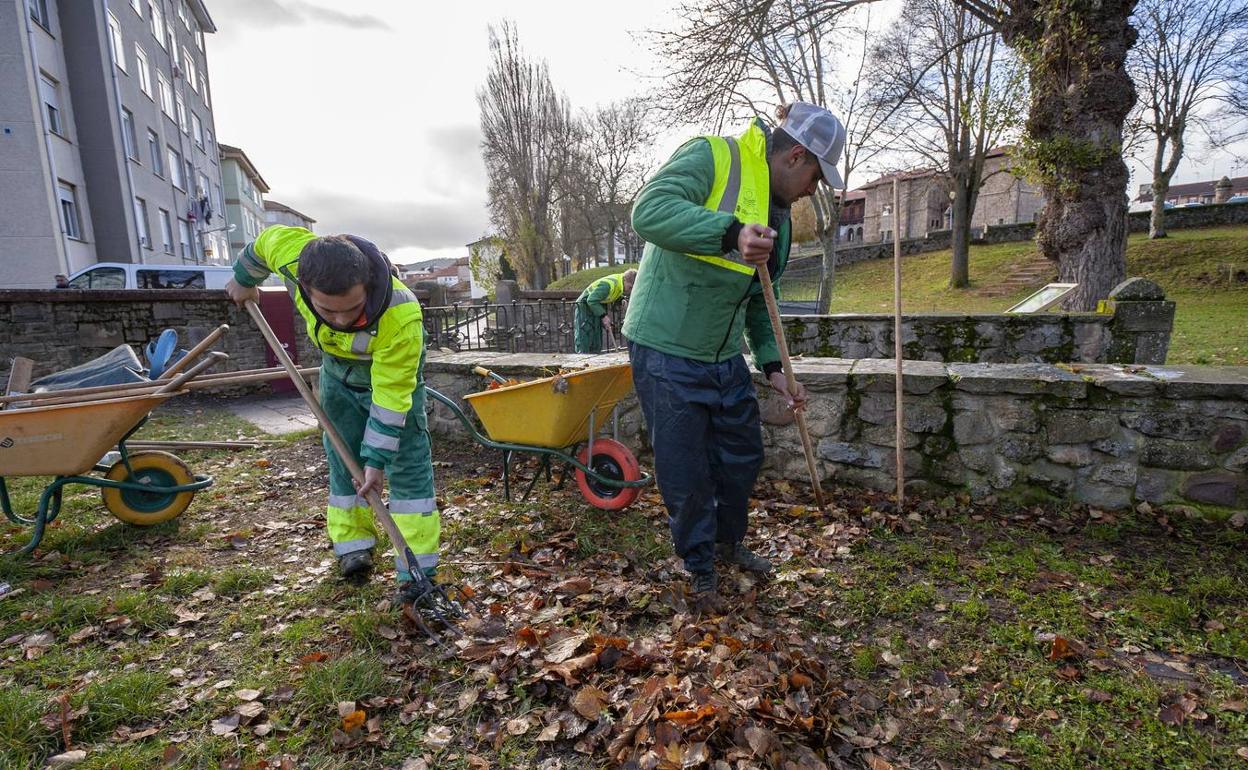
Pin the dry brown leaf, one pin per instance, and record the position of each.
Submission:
(225, 725)
(876, 762)
(1062, 649)
(550, 732)
(438, 736)
(997, 752)
(565, 648)
(695, 755)
(249, 710)
(760, 740)
(246, 695)
(519, 725)
(589, 702)
(573, 586)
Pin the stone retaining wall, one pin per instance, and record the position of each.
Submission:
(1110, 436)
(59, 329)
(1134, 329)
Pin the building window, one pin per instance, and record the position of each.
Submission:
(153, 151)
(39, 12)
(182, 124)
(145, 76)
(216, 200)
(51, 104)
(166, 231)
(197, 130)
(166, 94)
(137, 5)
(208, 145)
(175, 169)
(70, 222)
(184, 238)
(199, 37)
(140, 221)
(201, 186)
(114, 42)
(186, 22)
(188, 66)
(158, 22)
(127, 134)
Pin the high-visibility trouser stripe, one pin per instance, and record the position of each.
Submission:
(387, 416)
(421, 505)
(732, 190)
(423, 561)
(346, 502)
(350, 546)
(254, 266)
(723, 262)
(381, 441)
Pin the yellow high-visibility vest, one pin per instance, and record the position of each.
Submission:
(742, 186)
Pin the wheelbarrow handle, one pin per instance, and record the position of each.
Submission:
(482, 371)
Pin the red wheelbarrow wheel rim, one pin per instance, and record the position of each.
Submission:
(614, 461)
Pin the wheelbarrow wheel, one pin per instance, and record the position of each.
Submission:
(612, 461)
(141, 508)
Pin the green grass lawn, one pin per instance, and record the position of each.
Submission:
(1211, 321)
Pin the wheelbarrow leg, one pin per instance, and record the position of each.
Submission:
(53, 490)
(537, 474)
(5, 504)
(507, 475)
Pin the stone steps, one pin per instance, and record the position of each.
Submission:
(1033, 273)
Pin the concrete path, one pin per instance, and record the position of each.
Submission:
(275, 414)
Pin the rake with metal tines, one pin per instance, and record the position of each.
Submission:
(432, 597)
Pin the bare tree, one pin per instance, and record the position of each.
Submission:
(528, 135)
(731, 60)
(619, 137)
(960, 93)
(1187, 59)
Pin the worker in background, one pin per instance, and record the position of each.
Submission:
(368, 327)
(593, 309)
(716, 212)
(62, 281)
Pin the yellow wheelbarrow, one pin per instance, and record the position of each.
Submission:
(552, 418)
(67, 440)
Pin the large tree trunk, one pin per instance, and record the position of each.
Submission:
(1157, 218)
(1080, 96)
(960, 275)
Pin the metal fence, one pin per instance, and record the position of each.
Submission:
(541, 326)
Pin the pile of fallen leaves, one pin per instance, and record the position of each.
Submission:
(614, 662)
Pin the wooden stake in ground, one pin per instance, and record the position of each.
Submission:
(407, 560)
(901, 465)
(773, 312)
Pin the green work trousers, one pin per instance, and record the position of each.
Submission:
(588, 330)
(346, 396)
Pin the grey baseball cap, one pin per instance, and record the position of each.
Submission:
(821, 134)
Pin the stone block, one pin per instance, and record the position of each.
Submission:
(1157, 486)
(1176, 455)
(1120, 445)
(103, 335)
(876, 408)
(924, 417)
(979, 458)
(886, 435)
(1237, 462)
(1227, 437)
(1016, 415)
(1075, 426)
(1102, 495)
(1143, 316)
(1137, 289)
(1077, 455)
(1174, 424)
(938, 446)
(1019, 447)
(1022, 379)
(972, 428)
(1116, 474)
(858, 455)
(1215, 488)
(1054, 479)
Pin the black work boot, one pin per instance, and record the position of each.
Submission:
(356, 565)
(738, 554)
(704, 595)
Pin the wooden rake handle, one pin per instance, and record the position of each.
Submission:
(773, 312)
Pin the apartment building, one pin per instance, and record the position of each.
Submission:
(107, 137)
(244, 197)
(280, 214)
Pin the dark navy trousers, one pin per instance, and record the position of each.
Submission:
(708, 446)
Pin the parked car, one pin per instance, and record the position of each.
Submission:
(1237, 199)
(123, 275)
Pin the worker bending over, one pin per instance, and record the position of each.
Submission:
(593, 309)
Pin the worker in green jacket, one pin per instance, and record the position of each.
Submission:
(368, 327)
(593, 309)
(712, 216)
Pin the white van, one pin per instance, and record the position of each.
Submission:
(124, 275)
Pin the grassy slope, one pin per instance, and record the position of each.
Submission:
(579, 280)
(1211, 325)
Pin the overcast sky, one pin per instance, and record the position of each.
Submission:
(363, 115)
